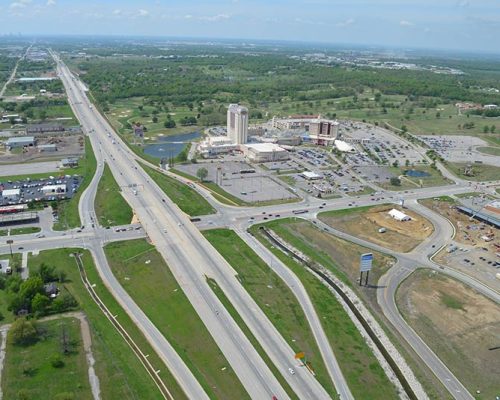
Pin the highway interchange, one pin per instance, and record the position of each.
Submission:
(191, 258)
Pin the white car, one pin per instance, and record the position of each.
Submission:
(291, 370)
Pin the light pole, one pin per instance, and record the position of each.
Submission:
(9, 242)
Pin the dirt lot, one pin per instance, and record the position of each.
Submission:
(459, 324)
(67, 146)
(399, 236)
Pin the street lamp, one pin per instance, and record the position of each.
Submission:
(9, 242)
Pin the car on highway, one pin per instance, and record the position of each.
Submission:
(291, 370)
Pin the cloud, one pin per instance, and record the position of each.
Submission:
(116, 11)
(406, 23)
(345, 23)
(51, 3)
(142, 12)
(19, 4)
(213, 18)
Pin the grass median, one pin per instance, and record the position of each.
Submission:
(121, 374)
(363, 373)
(144, 275)
(273, 296)
(188, 200)
(110, 206)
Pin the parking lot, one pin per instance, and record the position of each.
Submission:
(31, 190)
(460, 149)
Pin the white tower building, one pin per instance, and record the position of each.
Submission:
(237, 123)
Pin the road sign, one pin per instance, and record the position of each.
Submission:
(366, 262)
(300, 355)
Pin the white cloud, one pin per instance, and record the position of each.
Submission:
(345, 23)
(117, 11)
(143, 13)
(19, 4)
(406, 23)
(51, 3)
(213, 18)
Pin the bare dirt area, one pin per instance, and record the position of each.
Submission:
(400, 236)
(460, 325)
(67, 146)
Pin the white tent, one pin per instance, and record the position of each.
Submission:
(399, 216)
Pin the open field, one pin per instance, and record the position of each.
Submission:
(434, 179)
(188, 200)
(110, 206)
(361, 369)
(145, 276)
(459, 324)
(68, 210)
(122, 376)
(28, 372)
(19, 231)
(481, 172)
(273, 296)
(364, 222)
(495, 151)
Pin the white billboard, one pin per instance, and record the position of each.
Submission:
(366, 262)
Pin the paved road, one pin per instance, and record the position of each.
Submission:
(191, 258)
(30, 168)
(14, 71)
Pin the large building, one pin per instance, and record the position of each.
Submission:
(237, 123)
(323, 131)
(265, 152)
(22, 141)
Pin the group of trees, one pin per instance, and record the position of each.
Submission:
(30, 295)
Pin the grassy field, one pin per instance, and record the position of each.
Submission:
(435, 179)
(68, 209)
(145, 276)
(20, 231)
(121, 375)
(273, 296)
(363, 373)
(459, 324)
(494, 151)
(28, 368)
(248, 333)
(188, 200)
(482, 172)
(110, 206)
(7, 316)
(365, 222)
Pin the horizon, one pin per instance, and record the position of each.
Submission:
(451, 25)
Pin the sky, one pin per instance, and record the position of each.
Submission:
(469, 25)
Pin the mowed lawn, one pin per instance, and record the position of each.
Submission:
(188, 199)
(143, 273)
(110, 206)
(28, 368)
(273, 296)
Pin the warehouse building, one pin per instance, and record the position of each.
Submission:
(20, 141)
(11, 195)
(46, 147)
(51, 190)
(265, 152)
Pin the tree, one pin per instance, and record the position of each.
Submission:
(395, 181)
(47, 273)
(492, 129)
(56, 361)
(395, 164)
(23, 332)
(30, 287)
(407, 163)
(486, 129)
(202, 173)
(155, 119)
(169, 123)
(39, 304)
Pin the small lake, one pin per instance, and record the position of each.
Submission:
(170, 146)
(416, 174)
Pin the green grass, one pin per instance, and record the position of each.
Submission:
(494, 151)
(20, 231)
(110, 206)
(289, 180)
(68, 209)
(344, 211)
(155, 290)
(121, 375)
(451, 301)
(364, 375)
(28, 368)
(407, 182)
(188, 200)
(248, 333)
(7, 316)
(273, 296)
(482, 172)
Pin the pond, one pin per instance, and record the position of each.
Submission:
(416, 174)
(170, 146)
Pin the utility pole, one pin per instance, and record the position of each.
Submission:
(9, 242)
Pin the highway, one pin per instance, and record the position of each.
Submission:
(191, 258)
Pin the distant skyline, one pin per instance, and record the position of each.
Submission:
(448, 24)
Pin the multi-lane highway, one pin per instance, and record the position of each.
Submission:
(191, 258)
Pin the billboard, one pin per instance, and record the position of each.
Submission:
(366, 262)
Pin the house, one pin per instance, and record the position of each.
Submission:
(51, 289)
